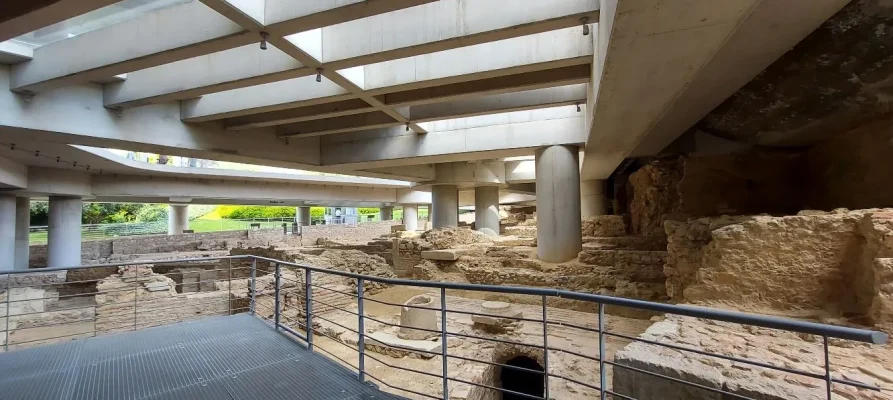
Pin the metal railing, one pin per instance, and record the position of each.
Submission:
(283, 294)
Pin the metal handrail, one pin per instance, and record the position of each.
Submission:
(772, 322)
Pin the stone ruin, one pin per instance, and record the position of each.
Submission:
(831, 267)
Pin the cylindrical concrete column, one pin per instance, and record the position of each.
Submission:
(558, 227)
(387, 213)
(411, 217)
(7, 231)
(593, 200)
(444, 205)
(486, 209)
(303, 216)
(23, 225)
(177, 218)
(64, 231)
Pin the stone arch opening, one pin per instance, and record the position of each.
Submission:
(526, 382)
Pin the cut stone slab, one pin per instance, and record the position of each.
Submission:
(397, 228)
(513, 241)
(157, 286)
(445, 255)
(388, 343)
(496, 308)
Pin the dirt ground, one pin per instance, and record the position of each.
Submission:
(527, 334)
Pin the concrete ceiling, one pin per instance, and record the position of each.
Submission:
(840, 76)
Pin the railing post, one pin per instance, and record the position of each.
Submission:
(545, 351)
(603, 375)
(361, 345)
(308, 320)
(443, 343)
(8, 297)
(252, 300)
(827, 368)
(229, 286)
(136, 285)
(276, 306)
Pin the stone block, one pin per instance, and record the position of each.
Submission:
(443, 255)
(397, 228)
(388, 343)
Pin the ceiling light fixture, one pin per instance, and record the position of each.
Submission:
(263, 40)
(319, 74)
(585, 22)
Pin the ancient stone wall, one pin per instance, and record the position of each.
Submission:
(836, 262)
(363, 232)
(852, 169)
(849, 170)
(100, 250)
(136, 298)
(654, 196)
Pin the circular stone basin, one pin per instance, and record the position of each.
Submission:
(495, 307)
(412, 317)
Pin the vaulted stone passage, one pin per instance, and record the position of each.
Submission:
(526, 382)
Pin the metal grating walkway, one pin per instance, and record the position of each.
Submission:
(234, 357)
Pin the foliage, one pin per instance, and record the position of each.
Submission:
(248, 212)
(100, 213)
(317, 212)
(367, 210)
(152, 213)
(39, 213)
(92, 213)
(200, 210)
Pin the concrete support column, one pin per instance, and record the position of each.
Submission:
(486, 209)
(444, 205)
(303, 216)
(411, 217)
(558, 226)
(177, 218)
(7, 231)
(593, 198)
(23, 225)
(387, 213)
(64, 231)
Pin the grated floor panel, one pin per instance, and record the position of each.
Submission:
(232, 358)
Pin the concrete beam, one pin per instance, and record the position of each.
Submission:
(284, 17)
(143, 42)
(427, 111)
(12, 174)
(415, 173)
(305, 91)
(557, 48)
(58, 182)
(664, 66)
(395, 147)
(75, 115)
(308, 113)
(520, 172)
(329, 126)
(30, 16)
(445, 25)
(526, 100)
(230, 69)
(561, 76)
(135, 186)
(15, 52)
(737, 63)
(240, 67)
(364, 41)
(275, 96)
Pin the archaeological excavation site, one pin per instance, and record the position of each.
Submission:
(446, 199)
